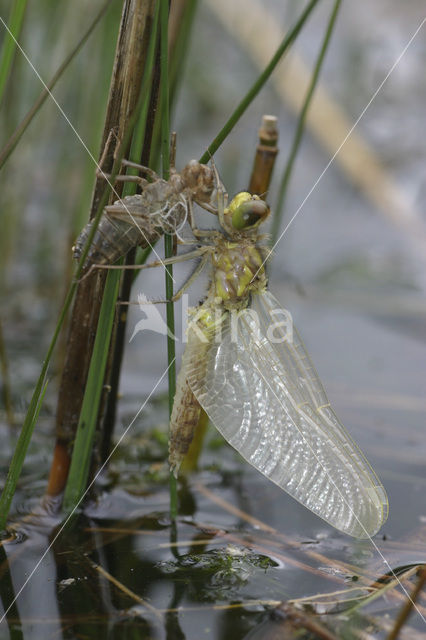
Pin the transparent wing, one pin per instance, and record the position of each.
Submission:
(263, 394)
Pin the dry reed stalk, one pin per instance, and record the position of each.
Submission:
(131, 51)
(266, 152)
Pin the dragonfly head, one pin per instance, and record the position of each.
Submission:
(246, 212)
(200, 179)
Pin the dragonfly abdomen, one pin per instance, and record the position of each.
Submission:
(184, 421)
(186, 408)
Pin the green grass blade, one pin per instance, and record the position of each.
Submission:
(164, 87)
(257, 86)
(15, 468)
(279, 209)
(178, 55)
(18, 458)
(136, 155)
(9, 44)
(19, 131)
(82, 452)
(141, 108)
(168, 239)
(30, 418)
(171, 357)
(21, 451)
(81, 456)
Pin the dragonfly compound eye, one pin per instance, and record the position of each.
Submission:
(249, 214)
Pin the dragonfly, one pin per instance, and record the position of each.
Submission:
(141, 219)
(250, 372)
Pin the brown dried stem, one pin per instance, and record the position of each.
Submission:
(409, 604)
(266, 152)
(131, 50)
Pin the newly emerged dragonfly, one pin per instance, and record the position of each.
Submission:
(256, 382)
(141, 219)
(251, 374)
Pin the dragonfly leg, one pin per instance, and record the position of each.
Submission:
(194, 275)
(157, 263)
(125, 163)
(179, 293)
(142, 169)
(220, 189)
(142, 182)
(198, 233)
(111, 136)
(184, 242)
(208, 207)
(222, 197)
(195, 230)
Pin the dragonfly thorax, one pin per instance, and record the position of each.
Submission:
(237, 272)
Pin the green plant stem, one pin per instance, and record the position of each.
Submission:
(168, 239)
(257, 86)
(171, 356)
(19, 454)
(279, 209)
(141, 140)
(164, 88)
(178, 54)
(81, 455)
(9, 43)
(82, 451)
(35, 403)
(19, 131)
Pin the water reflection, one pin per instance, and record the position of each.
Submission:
(133, 574)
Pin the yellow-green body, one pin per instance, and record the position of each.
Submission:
(237, 272)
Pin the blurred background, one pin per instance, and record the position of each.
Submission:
(351, 266)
